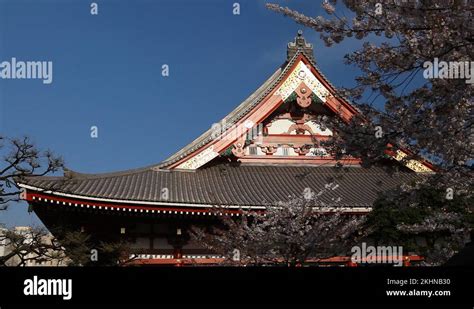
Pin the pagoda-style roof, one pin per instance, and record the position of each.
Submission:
(297, 51)
(233, 117)
(275, 169)
(226, 185)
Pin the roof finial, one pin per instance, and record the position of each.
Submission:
(299, 44)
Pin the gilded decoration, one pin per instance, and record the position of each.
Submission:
(412, 164)
(302, 74)
(199, 159)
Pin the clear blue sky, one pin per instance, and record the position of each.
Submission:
(107, 73)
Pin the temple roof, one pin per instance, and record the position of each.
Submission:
(223, 184)
(212, 183)
(294, 49)
(230, 119)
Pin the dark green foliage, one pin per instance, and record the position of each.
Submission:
(422, 220)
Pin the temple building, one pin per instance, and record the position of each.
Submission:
(268, 149)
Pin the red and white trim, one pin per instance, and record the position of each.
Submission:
(152, 208)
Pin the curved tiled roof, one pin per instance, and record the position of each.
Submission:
(229, 120)
(253, 100)
(244, 185)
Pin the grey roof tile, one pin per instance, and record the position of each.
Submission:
(244, 185)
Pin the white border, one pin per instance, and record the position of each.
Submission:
(343, 209)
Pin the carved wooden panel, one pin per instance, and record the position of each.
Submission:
(200, 159)
(412, 164)
(302, 74)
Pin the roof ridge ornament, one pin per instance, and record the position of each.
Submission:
(299, 44)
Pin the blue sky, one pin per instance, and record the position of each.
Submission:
(107, 73)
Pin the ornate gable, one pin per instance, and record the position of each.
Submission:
(282, 124)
